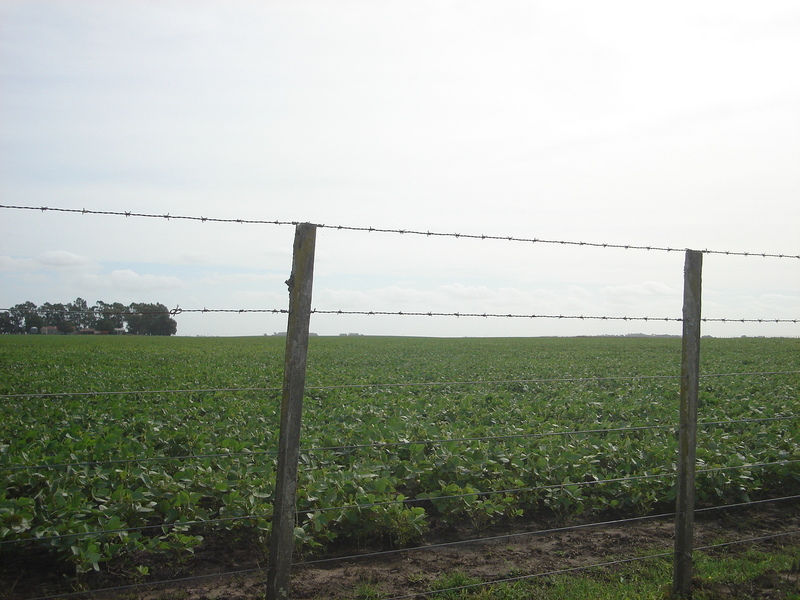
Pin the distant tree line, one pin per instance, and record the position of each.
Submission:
(140, 318)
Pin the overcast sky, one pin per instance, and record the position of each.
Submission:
(656, 124)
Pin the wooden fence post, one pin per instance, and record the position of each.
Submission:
(687, 436)
(281, 540)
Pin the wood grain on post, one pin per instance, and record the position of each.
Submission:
(294, 376)
(687, 435)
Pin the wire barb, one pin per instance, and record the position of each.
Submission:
(427, 233)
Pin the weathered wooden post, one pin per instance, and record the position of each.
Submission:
(687, 436)
(281, 540)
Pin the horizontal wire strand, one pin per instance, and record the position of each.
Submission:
(537, 533)
(416, 594)
(137, 392)
(380, 445)
(535, 575)
(133, 586)
(592, 566)
(394, 551)
(538, 316)
(99, 532)
(483, 315)
(748, 540)
(387, 385)
(539, 488)
(413, 232)
(483, 540)
(488, 493)
(148, 459)
(178, 311)
(746, 504)
(584, 567)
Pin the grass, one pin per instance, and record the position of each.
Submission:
(721, 575)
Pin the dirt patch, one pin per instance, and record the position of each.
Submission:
(504, 552)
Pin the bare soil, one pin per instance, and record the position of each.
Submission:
(505, 551)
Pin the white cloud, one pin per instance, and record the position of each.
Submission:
(461, 298)
(13, 264)
(197, 257)
(616, 122)
(62, 258)
(635, 293)
(258, 299)
(240, 278)
(127, 280)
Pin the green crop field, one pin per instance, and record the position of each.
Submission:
(386, 420)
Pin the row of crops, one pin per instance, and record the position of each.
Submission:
(398, 434)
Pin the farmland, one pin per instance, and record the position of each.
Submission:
(399, 434)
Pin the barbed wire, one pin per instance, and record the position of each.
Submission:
(178, 311)
(413, 232)
(537, 316)
(119, 313)
(397, 313)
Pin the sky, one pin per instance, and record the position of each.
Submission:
(618, 122)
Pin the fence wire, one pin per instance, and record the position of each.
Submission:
(198, 523)
(316, 451)
(539, 532)
(384, 553)
(558, 486)
(387, 385)
(476, 493)
(540, 316)
(400, 313)
(483, 540)
(581, 568)
(413, 232)
(136, 586)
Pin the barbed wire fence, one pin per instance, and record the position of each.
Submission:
(410, 232)
(295, 514)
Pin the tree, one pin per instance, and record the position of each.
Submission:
(80, 314)
(24, 316)
(109, 317)
(16, 319)
(141, 317)
(6, 325)
(57, 315)
(150, 319)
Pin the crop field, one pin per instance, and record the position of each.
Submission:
(144, 444)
